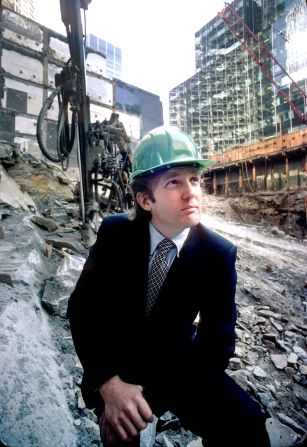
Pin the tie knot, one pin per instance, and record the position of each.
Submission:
(165, 246)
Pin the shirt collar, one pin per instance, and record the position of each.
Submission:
(156, 237)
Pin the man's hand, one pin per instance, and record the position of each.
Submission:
(126, 410)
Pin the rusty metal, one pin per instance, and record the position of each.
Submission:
(272, 145)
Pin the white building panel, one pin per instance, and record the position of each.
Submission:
(25, 125)
(35, 95)
(21, 66)
(59, 49)
(23, 143)
(22, 25)
(22, 40)
(53, 112)
(99, 113)
(132, 124)
(100, 90)
(96, 63)
(52, 70)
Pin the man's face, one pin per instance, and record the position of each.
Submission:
(178, 201)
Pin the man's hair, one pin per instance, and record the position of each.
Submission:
(142, 184)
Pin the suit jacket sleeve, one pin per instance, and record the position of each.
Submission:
(215, 338)
(89, 310)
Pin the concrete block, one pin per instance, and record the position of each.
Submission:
(58, 49)
(96, 64)
(25, 125)
(22, 25)
(34, 94)
(7, 125)
(21, 66)
(132, 124)
(22, 40)
(52, 70)
(100, 90)
(99, 113)
(53, 112)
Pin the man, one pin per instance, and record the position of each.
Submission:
(138, 344)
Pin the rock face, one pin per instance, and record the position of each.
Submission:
(33, 410)
(40, 398)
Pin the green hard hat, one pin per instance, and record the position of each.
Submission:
(165, 147)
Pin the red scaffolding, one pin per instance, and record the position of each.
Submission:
(261, 55)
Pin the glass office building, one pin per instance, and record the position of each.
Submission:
(230, 102)
(112, 53)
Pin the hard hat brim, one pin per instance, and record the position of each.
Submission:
(200, 164)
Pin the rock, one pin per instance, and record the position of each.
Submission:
(91, 427)
(269, 314)
(148, 435)
(6, 279)
(288, 421)
(292, 358)
(10, 193)
(302, 354)
(259, 372)
(195, 443)
(48, 250)
(241, 377)
(41, 180)
(279, 360)
(60, 239)
(267, 400)
(271, 337)
(45, 223)
(280, 435)
(303, 369)
(235, 363)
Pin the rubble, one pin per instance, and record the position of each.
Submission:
(41, 374)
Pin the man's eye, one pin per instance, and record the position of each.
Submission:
(172, 182)
(195, 180)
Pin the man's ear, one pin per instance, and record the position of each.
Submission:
(143, 201)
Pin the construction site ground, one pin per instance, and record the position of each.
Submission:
(42, 250)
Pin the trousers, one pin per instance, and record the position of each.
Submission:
(217, 409)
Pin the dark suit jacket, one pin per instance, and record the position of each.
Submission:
(106, 309)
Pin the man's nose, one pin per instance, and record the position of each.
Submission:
(188, 189)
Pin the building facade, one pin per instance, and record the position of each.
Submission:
(112, 53)
(23, 7)
(146, 105)
(230, 102)
(128, 98)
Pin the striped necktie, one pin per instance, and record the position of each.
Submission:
(157, 273)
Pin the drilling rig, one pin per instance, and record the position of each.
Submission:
(103, 148)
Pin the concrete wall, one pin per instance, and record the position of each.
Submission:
(30, 56)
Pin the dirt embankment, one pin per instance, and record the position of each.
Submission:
(286, 210)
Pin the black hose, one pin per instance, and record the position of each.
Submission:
(40, 120)
(65, 137)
